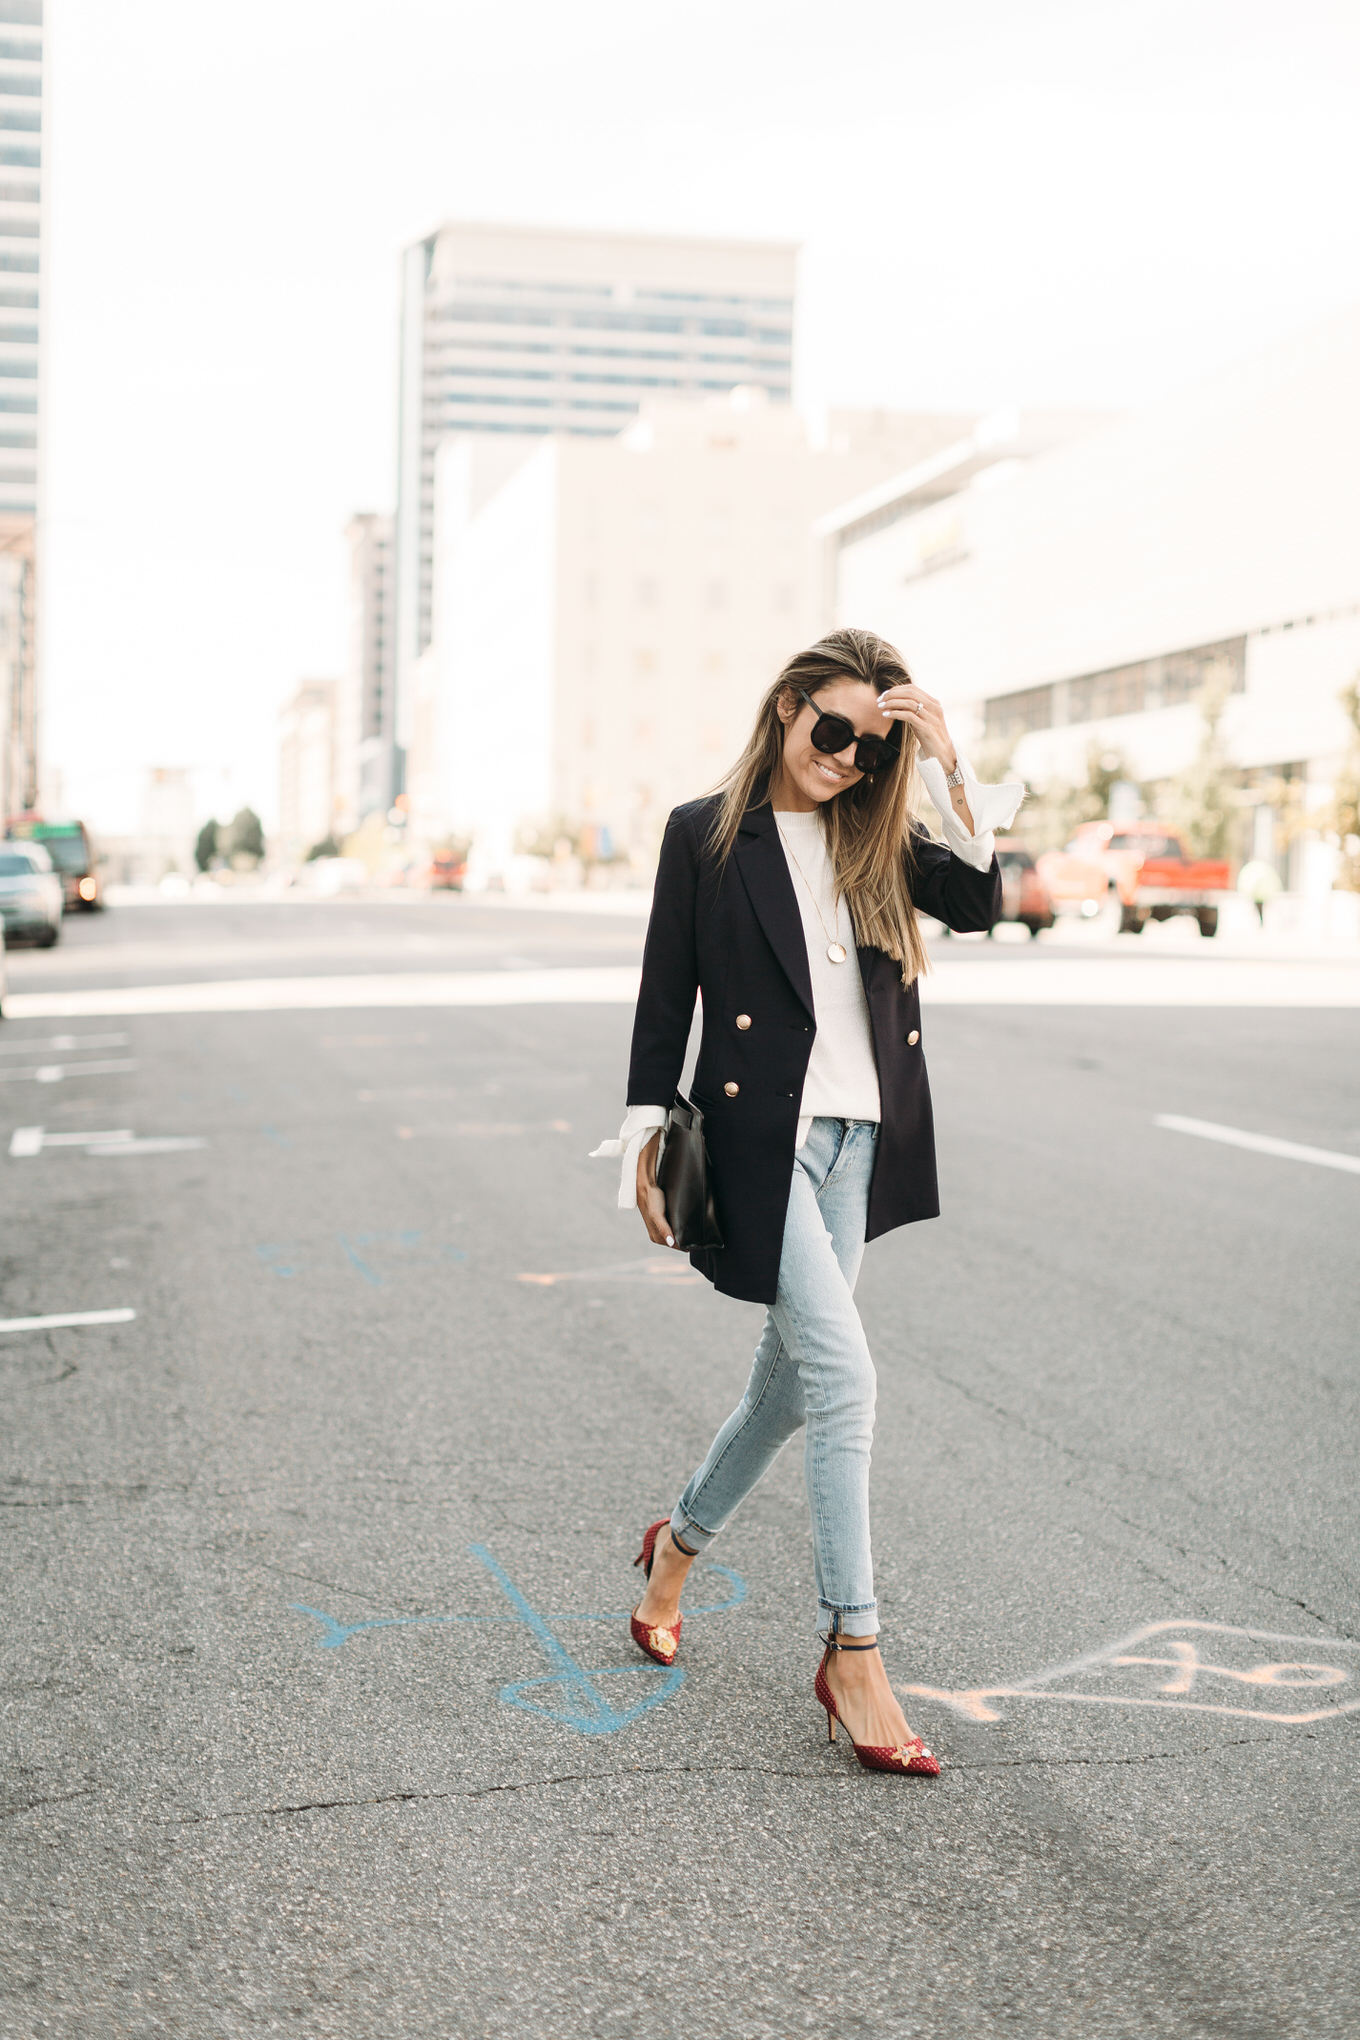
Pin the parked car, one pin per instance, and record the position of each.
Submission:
(1024, 896)
(1151, 869)
(4, 980)
(1076, 883)
(30, 893)
(71, 848)
(1143, 868)
(446, 872)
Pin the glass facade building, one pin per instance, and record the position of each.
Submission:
(21, 396)
(21, 120)
(522, 332)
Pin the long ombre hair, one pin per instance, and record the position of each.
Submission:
(867, 828)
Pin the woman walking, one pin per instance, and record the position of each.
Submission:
(789, 899)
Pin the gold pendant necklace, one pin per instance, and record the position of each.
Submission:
(836, 951)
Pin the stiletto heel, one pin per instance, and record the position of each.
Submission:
(660, 1644)
(909, 1759)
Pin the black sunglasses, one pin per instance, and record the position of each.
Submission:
(831, 733)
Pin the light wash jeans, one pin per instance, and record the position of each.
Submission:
(812, 1367)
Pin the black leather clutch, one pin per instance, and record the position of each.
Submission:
(686, 1179)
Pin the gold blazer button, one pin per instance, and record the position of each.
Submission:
(913, 1038)
(743, 1021)
(731, 1089)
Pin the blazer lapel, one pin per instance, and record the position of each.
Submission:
(764, 872)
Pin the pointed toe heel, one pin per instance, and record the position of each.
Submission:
(659, 1644)
(910, 1759)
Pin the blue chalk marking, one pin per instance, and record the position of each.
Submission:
(582, 1707)
(370, 1276)
(276, 1267)
(334, 1633)
(581, 1704)
(271, 1133)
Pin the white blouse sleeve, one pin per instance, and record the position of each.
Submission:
(992, 808)
(638, 1127)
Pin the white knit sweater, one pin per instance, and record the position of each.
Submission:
(842, 1071)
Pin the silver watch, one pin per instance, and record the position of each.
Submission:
(955, 778)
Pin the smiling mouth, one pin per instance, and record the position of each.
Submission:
(830, 771)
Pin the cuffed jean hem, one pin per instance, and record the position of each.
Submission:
(688, 1532)
(850, 1621)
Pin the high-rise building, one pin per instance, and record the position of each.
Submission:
(364, 733)
(307, 746)
(21, 120)
(519, 331)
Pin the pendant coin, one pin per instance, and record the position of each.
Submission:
(836, 951)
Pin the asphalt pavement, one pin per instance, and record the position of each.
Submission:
(320, 1713)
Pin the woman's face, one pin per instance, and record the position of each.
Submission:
(816, 775)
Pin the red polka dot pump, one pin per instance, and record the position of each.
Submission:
(910, 1759)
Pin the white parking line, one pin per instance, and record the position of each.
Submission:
(983, 981)
(167, 1144)
(52, 1073)
(31, 1140)
(67, 1317)
(1259, 1143)
(64, 1042)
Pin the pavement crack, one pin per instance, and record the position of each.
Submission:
(51, 1799)
(1207, 1551)
(508, 1785)
(314, 1580)
(1236, 1742)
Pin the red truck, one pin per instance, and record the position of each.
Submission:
(1145, 866)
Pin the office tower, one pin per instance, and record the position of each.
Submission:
(517, 332)
(21, 110)
(364, 732)
(307, 760)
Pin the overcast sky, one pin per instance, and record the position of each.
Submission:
(1033, 201)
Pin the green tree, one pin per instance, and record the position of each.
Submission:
(205, 849)
(1105, 769)
(245, 838)
(1048, 818)
(1345, 815)
(1200, 801)
(327, 847)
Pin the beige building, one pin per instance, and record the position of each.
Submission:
(607, 613)
(310, 802)
(18, 691)
(366, 699)
(1088, 597)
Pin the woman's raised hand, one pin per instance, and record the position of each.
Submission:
(651, 1199)
(921, 712)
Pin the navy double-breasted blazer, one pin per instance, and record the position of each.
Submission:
(736, 935)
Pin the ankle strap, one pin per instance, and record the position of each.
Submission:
(833, 1642)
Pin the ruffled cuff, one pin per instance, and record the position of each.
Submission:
(992, 808)
(638, 1127)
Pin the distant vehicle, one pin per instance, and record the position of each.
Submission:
(4, 980)
(71, 848)
(446, 872)
(1075, 884)
(1154, 875)
(31, 901)
(1024, 896)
